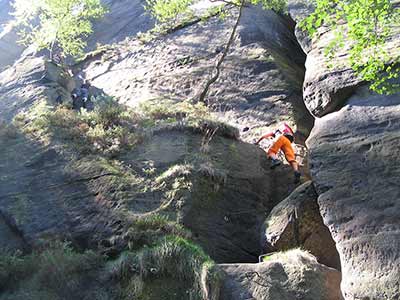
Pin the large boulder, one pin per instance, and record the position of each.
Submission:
(354, 165)
(290, 275)
(296, 222)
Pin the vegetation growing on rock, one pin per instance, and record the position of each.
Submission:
(59, 271)
(365, 28)
(157, 248)
(47, 23)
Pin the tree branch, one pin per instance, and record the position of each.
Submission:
(214, 78)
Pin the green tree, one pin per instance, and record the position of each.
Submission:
(365, 27)
(61, 23)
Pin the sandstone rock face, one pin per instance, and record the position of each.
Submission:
(11, 239)
(49, 192)
(326, 89)
(124, 19)
(30, 80)
(260, 82)
(291, 275)
(222, 197)
(9, 49)
(296, 222)
(231, 190)
(354, 165)
(44, 200)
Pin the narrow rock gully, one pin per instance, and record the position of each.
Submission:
(289, 228)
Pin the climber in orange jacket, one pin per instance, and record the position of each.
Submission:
(284, 143)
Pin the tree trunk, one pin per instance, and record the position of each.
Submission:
(52, 50)
(214, 78)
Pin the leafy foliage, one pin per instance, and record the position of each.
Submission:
(365, 26)
(65, 22)
(166, 10)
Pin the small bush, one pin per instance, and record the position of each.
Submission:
(109, 129)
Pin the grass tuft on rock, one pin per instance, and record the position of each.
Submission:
(57, 272)
(172, 258)
(108, 129)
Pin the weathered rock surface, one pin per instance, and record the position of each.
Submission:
(44, 200)
(224, 200)
(11, 238)
(260, 82)
(296, 222)
(291, 275)
(231, 190)
(354, 165)
(29, 81)
(325, 90)
(222, 233)
(124, 19)
(9, 49)
(48, 197)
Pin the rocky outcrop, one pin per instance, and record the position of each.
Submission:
(290, 275)
(360, 206)
(353, 166)
(229, 190)
(326, 89)
(296, 222)
(52, 192)
(29, 81)
(9, 49)
(11, 239)
(260, 82)
(124, 19)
